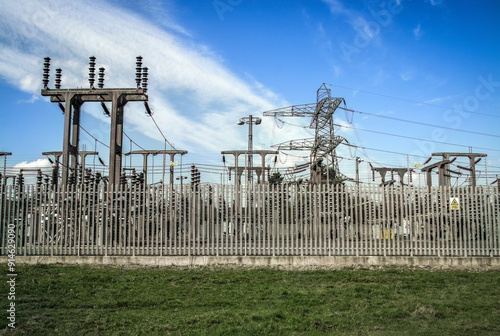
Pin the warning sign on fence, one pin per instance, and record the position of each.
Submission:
(454, 203)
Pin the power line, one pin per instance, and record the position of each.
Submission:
(414, 101)
(421, 123)
(93, 137)
(414, 138)
(150, 113)
(132, 141)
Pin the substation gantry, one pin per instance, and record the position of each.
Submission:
(383, 173)
(323, 158)
(146, 153)
(73, 100)
(444, 171)
(260, 171)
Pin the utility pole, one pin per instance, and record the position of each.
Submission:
(5, 154)
(73, 99)
(250, 120)
(358, 161)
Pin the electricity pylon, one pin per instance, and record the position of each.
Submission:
(323, 159)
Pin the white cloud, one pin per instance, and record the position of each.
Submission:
(42, 163)
(194, 96)
(30, 169)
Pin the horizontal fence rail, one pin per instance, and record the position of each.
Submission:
(262, 220)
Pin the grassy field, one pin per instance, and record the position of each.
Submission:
(71, 300)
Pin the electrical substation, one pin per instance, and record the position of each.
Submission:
(259, 206)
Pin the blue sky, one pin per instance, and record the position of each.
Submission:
(425, 74)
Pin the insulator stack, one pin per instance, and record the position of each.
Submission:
(145, 79)
(91, 71)
(39, 178)
(101, 78)
(58, 78)
(46, 70)
(138, 71)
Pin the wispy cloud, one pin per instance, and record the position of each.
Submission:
(407, 75)
(190, 88)
(438, 100)
(336, 7)
(417, 32)
(33, 99)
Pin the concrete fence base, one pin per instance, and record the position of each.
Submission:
(281, 262)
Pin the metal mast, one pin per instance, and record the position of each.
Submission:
(323, 159)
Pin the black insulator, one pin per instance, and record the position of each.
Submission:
(58, 78)
(91, 71)
(149, 112)
(72, 178)
(39, 178)
(145, 79)
(55, 174)
(123, 178)
(101, 78)
(138, 71)
(98, 177)
(106, 112)
(46, 70)
(20, 181)
(133, 177)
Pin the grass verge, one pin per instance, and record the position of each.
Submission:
(73, 300)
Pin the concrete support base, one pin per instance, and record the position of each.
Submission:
(281, 262)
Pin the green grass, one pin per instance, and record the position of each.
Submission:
(72, 300)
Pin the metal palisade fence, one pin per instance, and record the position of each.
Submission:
(299, 220)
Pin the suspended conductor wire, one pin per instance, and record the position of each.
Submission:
(347, 116)
(276, 119)
(279, 157)
(424, 124)
(413, 101)
(132, 141)
(93, 137)
(149, 113)
(413, 138)
(106, 112)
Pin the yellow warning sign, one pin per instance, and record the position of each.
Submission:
(454, 204)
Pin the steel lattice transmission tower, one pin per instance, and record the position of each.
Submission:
(323, 159)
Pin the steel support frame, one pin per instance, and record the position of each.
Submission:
(74, 99)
